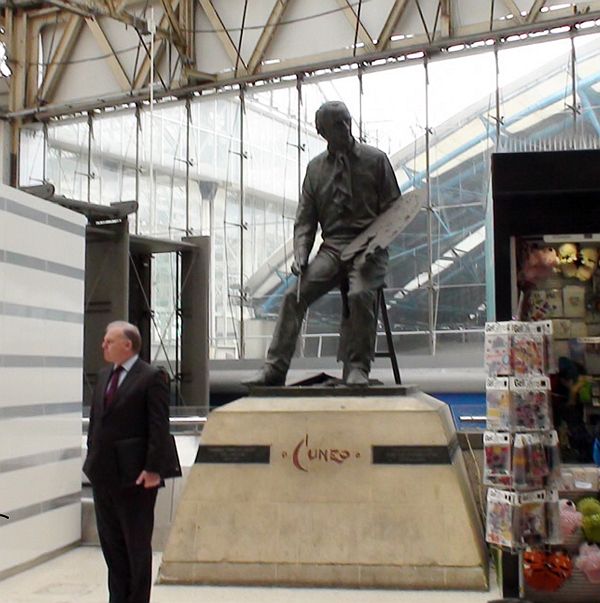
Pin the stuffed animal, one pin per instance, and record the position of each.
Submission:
(567, 255)
(540, 263)
(589, 507)
(589, 562)
(570, 518)
(588, 262)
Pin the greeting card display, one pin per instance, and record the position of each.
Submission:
(499, 519)
(498, 407)
(530, 403)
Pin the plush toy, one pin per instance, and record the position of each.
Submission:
(591, 527)
(589, 507)
(589, 562)
(567, 255)
(540, 263)
(546, 571)
(588, 262)
(570, 518)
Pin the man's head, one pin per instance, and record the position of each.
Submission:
(122, 340)
(334, 124)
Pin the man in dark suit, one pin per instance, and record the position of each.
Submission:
(130, 404)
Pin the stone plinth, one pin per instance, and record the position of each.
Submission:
(323, 487)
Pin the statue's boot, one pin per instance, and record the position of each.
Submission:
(267, 376)
(357, 377)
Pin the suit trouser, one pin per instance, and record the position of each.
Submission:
(125, 519)
(362, 278)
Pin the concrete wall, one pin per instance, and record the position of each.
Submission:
(41, 341)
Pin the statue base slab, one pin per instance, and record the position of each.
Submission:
(328, 487)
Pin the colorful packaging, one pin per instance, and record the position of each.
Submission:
(498, 404)
(529, 400)
(499, 518)
(497, 465)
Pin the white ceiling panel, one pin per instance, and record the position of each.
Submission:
(310, 35)
(303, 33)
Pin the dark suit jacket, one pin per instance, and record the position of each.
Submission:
(140, 409)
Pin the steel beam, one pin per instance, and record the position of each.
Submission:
(63, 51)
(114, 63)
(267, 35)
(446, 18)
(534, 11)
(396, 13)
(95, 8)
(352, 17)
(223, 35)
(511, 5)
(140, 78)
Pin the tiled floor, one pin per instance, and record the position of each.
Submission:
(79, 576)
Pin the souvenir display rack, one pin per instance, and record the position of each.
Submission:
(521, 458)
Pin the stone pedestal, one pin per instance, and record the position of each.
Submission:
(328, 487)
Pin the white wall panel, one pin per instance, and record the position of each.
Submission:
(28, 539)
(46, 291)
(51, 338)
(40, 240)
(45, 385)
(30, 436)
(42, 255)
(26, 487)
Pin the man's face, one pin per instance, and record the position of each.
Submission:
(335, 128)
(116, 347)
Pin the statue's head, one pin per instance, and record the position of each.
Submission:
(334, 124)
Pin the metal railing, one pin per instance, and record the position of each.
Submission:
(180, 425)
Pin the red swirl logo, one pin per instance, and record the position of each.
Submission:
(304, 455)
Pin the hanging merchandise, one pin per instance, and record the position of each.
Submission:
(517, 348)
(497, 463)
(500, 528)
(531, 518)
(498, 407)
(546, 571)
(521, 449)
(497, 352)
(529, 401)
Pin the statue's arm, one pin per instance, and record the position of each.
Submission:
(305, 226)
(389, 191)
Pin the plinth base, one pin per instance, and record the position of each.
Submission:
(360, 489)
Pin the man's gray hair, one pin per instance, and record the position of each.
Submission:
(130, 331)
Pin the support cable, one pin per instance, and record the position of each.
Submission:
(356, 28)
(239, 48)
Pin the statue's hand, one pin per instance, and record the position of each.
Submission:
(298, 268)
(372, 248)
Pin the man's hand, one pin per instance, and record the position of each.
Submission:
(148, 479)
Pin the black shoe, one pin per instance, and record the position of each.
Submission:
(267, 376)
(357, 377)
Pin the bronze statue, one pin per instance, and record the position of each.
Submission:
(345, 189)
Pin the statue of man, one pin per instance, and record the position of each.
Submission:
(345, 188)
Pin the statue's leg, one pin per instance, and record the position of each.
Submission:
(321, 276)
(364, 278)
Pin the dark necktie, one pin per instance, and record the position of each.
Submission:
(113, 384)
(342, 182)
